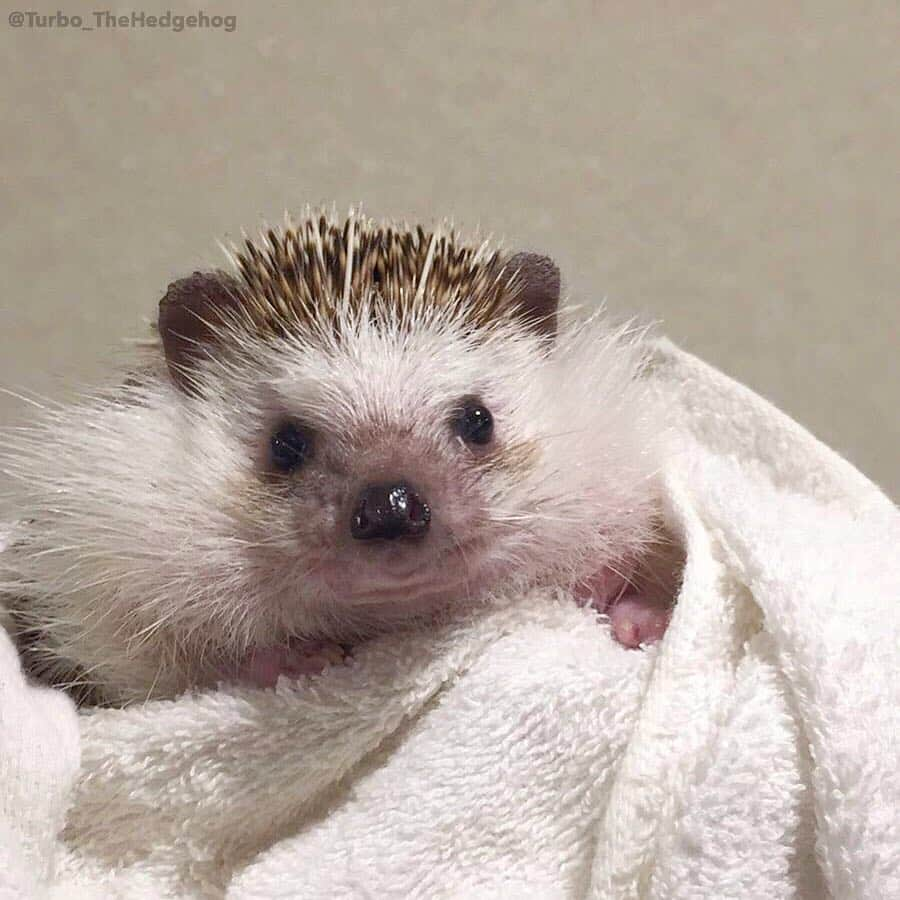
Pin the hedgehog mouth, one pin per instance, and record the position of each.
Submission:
(446, 574)
(416, 586)
(412, 594)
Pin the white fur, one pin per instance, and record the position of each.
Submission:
(153, 550)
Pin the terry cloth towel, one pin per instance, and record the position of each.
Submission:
(521, 752)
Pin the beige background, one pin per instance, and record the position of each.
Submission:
(728, 168)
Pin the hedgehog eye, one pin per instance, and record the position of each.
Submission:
(474, 423)
(290, 446)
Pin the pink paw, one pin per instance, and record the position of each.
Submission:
(637, 620)
(264, 666)
(636, 616)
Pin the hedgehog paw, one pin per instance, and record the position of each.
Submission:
(264, 666)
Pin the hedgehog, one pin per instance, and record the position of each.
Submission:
(355, 427)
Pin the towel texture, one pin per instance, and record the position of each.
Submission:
(520, 752)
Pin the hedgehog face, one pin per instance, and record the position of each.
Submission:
(372, 473)
(382, 467)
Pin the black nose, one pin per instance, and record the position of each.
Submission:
(389, 510)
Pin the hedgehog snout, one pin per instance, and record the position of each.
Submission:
(389, 510)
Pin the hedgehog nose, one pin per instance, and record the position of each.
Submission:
(389, 510)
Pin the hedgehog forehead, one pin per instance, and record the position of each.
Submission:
(377, 375)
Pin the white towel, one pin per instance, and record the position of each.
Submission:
(521, 752)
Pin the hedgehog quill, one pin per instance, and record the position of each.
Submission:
(361, 426)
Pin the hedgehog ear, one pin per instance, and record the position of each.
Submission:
(190, 315)
(536, 284)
